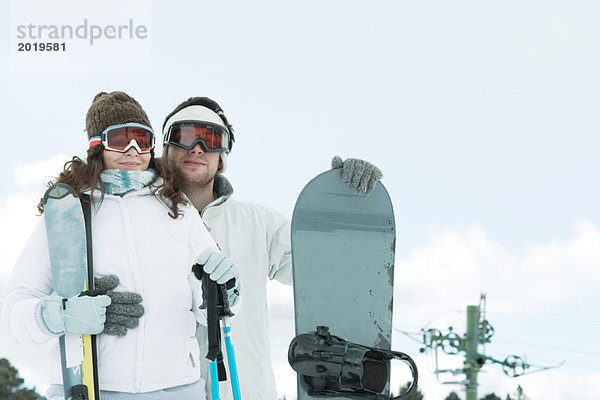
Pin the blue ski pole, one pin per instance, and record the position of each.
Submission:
(214, 380)
(216, 303)
(235, 383)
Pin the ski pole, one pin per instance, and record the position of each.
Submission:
(214, 380)
(235, 383)
(216, 303)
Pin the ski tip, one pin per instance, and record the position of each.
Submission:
(58, 191)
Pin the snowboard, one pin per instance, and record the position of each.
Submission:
(70, 258)
(343, 264)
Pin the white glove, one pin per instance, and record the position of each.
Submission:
(218, 266)
(82, 315)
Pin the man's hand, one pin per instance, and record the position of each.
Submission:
(360, 175)
(218, 266)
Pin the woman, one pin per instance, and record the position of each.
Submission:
(144, 232)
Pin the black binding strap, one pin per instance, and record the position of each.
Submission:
(334, 367)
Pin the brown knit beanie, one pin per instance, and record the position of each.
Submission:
(113, 108)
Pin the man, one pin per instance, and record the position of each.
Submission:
(198, 138)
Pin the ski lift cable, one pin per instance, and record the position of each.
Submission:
(590, 367)
(584, 352)
(561, 320)
(410, 335)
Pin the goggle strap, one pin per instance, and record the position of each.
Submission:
(95, 141)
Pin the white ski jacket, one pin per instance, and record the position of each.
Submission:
(152, 254)
(257, 238)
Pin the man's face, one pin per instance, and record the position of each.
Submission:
(197, 167)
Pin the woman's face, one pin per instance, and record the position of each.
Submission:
(131, 160)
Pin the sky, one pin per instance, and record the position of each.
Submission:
(481, 115)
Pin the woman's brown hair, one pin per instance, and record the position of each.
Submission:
(83, 176)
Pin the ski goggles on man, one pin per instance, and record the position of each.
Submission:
(213, 138)
(122, 137)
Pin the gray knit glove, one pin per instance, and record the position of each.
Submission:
(124, 311)
(360, 175)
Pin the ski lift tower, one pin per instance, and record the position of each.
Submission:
(479, 332)
(473, 360)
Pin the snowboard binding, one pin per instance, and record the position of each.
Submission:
(332, 366)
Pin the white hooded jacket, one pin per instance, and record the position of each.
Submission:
(257, 238)
(152, 254)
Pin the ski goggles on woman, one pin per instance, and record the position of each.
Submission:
(122, 137)
(212, 138)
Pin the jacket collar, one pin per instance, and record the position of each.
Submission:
(222, 190)
(222, 187)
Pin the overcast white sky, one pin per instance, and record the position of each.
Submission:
(483, 117)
